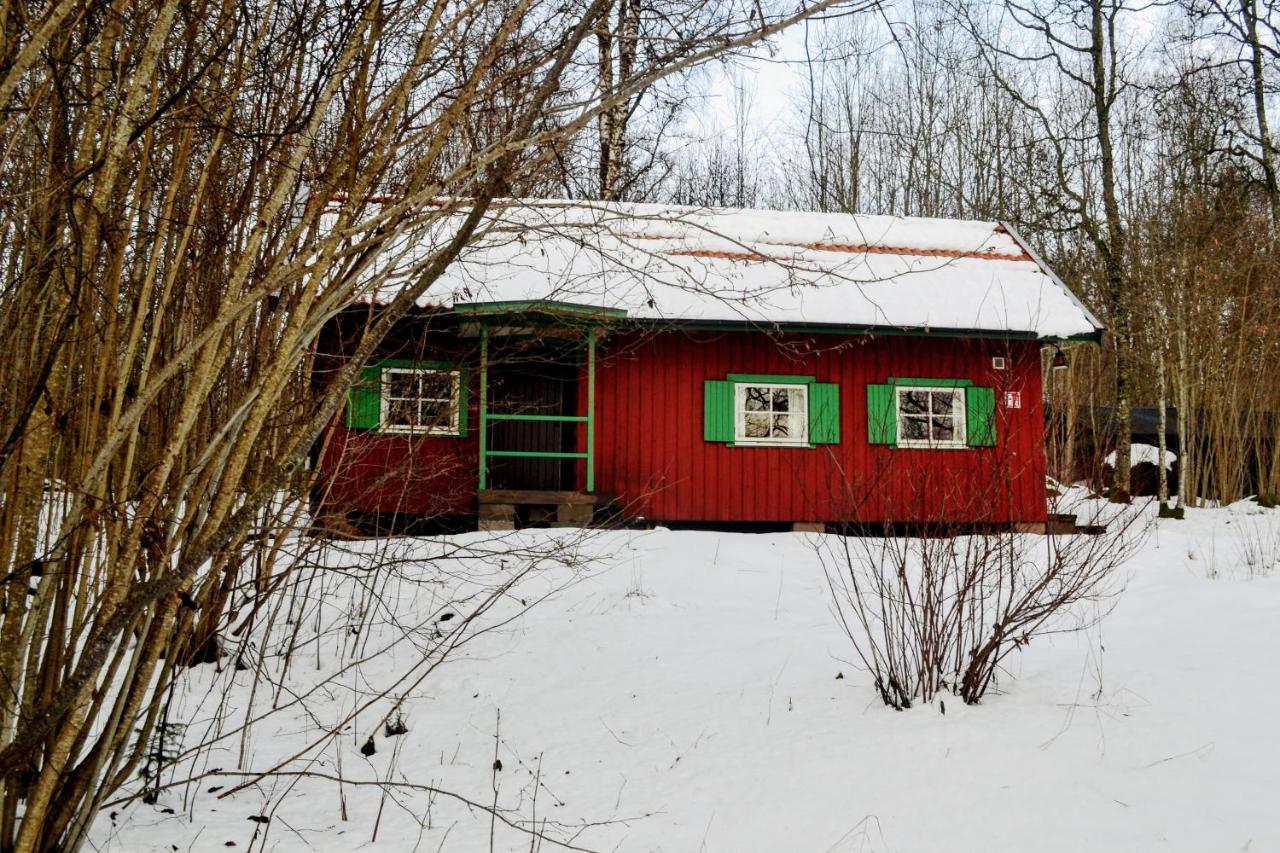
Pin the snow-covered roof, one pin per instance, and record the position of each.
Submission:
(774, 268)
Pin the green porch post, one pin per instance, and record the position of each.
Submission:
(591, 409)
(484, 406)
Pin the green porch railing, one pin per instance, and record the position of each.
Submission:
(537, 454)
(571, 419)
(486, 416)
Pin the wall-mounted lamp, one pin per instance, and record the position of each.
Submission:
(1059, 359)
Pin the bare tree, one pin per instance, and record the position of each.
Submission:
(189, 196)
(1242, 36)
(632, 155)
(723, 167)
(1072, 51)
(617, 39)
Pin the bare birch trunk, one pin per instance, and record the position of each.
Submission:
(1161, 428)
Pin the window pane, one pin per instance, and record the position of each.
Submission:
(404, 385)
(782, 400)
(437, 386)
(435, 413)
(782, 426)
(943, 402)
(944, 429)
(915, 429)
(757, 426)
(757, 399)
(401, 412)
(914, 402)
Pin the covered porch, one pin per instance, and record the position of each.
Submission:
(536, 412)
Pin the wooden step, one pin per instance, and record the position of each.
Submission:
(526, 497)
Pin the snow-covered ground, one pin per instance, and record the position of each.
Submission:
(681, 691)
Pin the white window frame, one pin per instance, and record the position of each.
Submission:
(454, 401)
(958, 412)
(740, 411)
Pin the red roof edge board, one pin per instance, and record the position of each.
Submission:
(851, 248)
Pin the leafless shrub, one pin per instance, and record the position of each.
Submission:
(928, 614)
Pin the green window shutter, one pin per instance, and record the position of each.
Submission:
(463, 399)
(882, 415)
(980, 416)
(717, 411)
(364, 400)
(824, 413)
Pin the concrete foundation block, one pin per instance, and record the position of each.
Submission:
(497, 512)
(808, 527)
(574, 514)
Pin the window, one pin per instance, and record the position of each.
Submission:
(771, 414)
(931, 413)
(420, 401)
(766, 410)
(931, 417)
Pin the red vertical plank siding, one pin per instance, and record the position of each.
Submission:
(651, 450)
(414, 475)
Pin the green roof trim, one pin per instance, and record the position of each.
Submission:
(850, 329)
(537, 306)
(413, 364)
(771, 379)
(571, 309)
(914, 382)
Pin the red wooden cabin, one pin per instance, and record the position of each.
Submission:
(708, 368)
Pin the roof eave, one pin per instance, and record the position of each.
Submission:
(856, 329)
(1096, 335)
(538, 306)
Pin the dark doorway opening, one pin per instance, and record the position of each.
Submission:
(540, 380)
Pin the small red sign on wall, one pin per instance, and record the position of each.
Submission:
(1013, 399)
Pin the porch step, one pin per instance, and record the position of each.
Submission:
(527, 497)
(497, 507)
